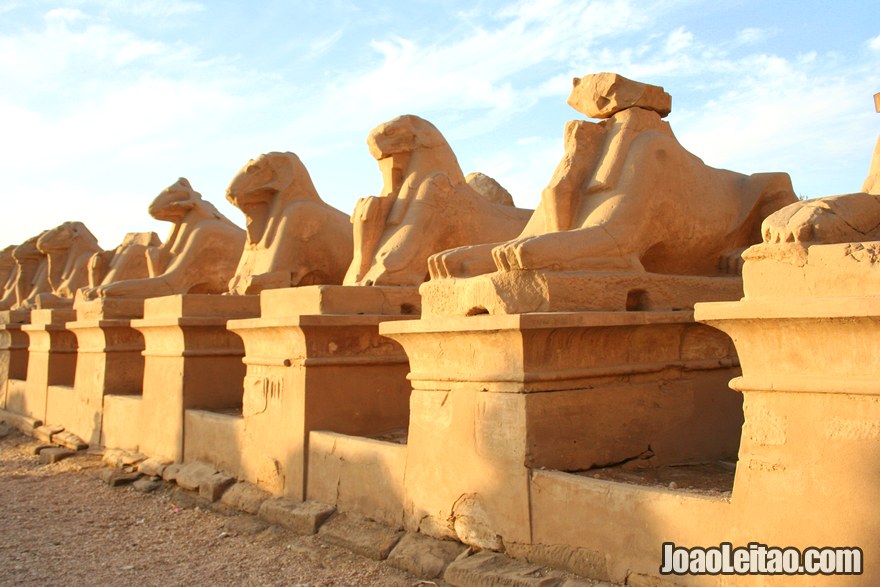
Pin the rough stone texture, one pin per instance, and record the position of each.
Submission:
(602, 95)
(192, 475)
(153, 466)
(424, 556)
(170, 472)
(580, 561)
(45, 432)
(303, 517)
(360, 535)
(127, 261)
(245, 497)
(396, 232)
(4, 430)
(489, 188)
(122, 458)
(496, 570)
(147, 484)
(202, 249)
(834, 219)
(284, 247)
(41, 447)
(69, 248)
(69, 440)
(116, 477)
(55, 454)
(20, 422)
(214, 486)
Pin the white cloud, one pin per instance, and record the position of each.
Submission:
(678, 40)
(874, 43)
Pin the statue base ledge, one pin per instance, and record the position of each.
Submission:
(521, 292)
(340, 299)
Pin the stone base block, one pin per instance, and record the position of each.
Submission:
(303, 517)
(423, 556)
(358, 534)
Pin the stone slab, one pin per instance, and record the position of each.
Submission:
(121, 458)
(21, 423)
(360, 535)
(54, 454)
(69, 440)
(153, 466)
(116, 477)
(170, 472)
(45, 432)
(192, 475)
(246, 497)
(214, 486)
(490, 569)
(424, 556)
(303, 517)
(340, 299)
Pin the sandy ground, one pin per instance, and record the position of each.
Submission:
(61, 525)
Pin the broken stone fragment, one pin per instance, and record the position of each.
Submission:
(44, 433)
(245, 497)
(424, 556)
(303, 517)
(54, 454)
(360, 535)
(69, 440)
(213, 487)
(116, 477)
(602, 95)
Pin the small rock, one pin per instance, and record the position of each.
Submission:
(673, 485)
(358, 534)
(214, 486)
(170, 472)
(153, 466)
(192, 475)
(245, 497)
(54, 454)
(147, 484)
(115, 477)
(303, 517)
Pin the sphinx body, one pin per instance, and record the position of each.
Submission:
(127, 261)
(293, 237)
(627, 195)
(199, 255)
(628, 198)
(32, 277)
(69, 248)
(426, 206)
(8, 277)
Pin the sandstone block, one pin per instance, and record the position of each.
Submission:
(118, 458)
(580, 561)
(424, 556)
(489, 569)
(213, 487)
(602, 95)
(170, 472)
(69, 440)
(153, 466)
(361, 535)
(191, 475)
(41, 447)
(4, 430)
(54, 454)
(45, 432)
(245, 497)
(303, 517)
(115, 477)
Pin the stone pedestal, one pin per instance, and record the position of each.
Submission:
(190, 361)
(109, 362)
(495, 397)
(51, 362)
(13, 351)
(808, 471)
(315, 361)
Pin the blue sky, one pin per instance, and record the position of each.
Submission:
(103, 103)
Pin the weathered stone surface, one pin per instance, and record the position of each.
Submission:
(245, 497)
(41, 447)
(147, 484)
(54, 454)
(284, 248)
(170, 472)
(153, 466)
(212, 487)
(192, 475)
(580, 561)
(69, 440)
(424, 556)
(4, 430)
(45, 432)
(121, 458)
(303, 517)
(360, 535)
(602, 95)
(115, 477)
(488, 569)
(489, 188)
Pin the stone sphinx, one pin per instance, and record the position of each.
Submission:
(8, 277)
(69, 247)
(426, 206)
(293, 237)
(127, 261)
(199, 255)
(33, 273)
(630, 220)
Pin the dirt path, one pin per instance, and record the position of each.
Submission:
(61, 525)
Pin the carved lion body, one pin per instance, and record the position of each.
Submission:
(425, 207)
(293, 237)
(628, 197)
(69, 247)
(199, 255)
(33, 273)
